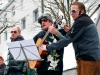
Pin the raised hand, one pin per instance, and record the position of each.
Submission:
(42, 47)
(66, 28)
(52, 30)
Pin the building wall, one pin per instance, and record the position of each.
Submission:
(21, 10)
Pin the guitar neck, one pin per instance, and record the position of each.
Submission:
(43, 39)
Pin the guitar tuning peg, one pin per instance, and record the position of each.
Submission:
(61, 17)
(60, 23)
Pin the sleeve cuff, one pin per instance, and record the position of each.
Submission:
(59, 35)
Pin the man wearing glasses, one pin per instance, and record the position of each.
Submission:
(53, 62)
(16, 34)
(84, 36)
(15, 67)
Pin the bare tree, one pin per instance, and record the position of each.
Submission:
(57, 7)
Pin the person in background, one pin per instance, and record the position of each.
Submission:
(16, 34)
(2, 66)
(53, 62)
(84, 36)
(15, 67)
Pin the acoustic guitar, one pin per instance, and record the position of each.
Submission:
(37, 64)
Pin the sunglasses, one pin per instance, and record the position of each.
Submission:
(44, 20)
(13, 31)
(73, 11)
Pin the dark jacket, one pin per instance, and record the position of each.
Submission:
(2, 69)
(46, 63)
(15, 66)
(84, 36)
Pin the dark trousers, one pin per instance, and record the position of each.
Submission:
(50, 73)
(88, 67)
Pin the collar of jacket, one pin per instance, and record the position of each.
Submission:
(15, 39)
(84, 14)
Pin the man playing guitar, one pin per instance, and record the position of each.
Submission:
(53, 62)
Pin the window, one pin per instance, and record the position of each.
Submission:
(5, 36)
(13, 12)
(21, 1)
(5, 17)
(23, 23)
(21, 4)
(35, 15)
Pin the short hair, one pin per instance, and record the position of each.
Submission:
(19, 30)
(80, 5)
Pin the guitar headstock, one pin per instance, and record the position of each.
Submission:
(58, 21)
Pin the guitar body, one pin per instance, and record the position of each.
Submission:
(37, 64)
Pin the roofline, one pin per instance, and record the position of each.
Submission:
(95, 10)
